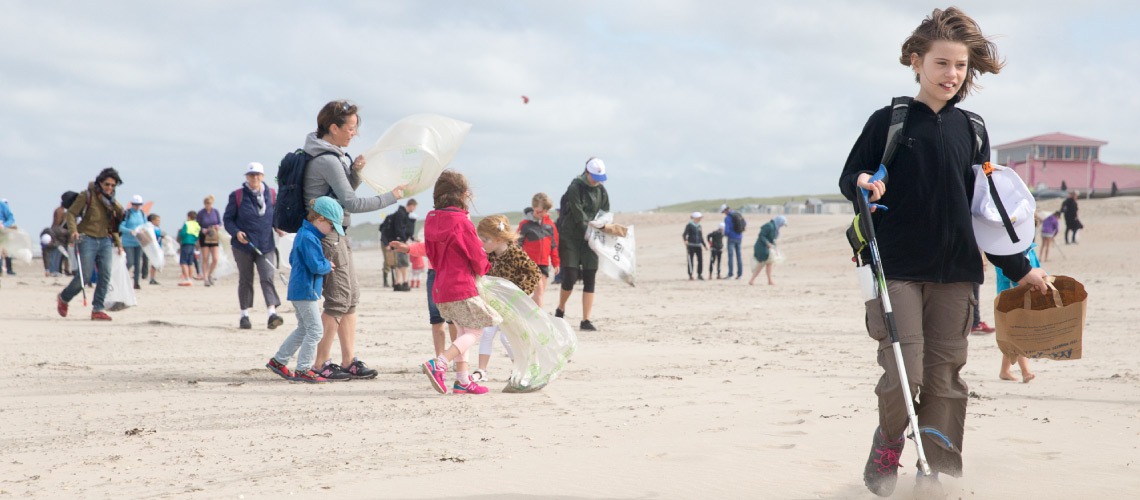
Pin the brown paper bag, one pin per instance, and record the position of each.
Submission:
(1042, 326)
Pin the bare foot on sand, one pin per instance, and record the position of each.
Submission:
(771, 283)
(1026, 377)
(1006, 376)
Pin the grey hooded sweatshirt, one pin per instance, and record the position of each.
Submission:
(335, 172)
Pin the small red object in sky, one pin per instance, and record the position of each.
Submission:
(525, 99)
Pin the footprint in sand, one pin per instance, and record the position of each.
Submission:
(791, 422)
(780, 446)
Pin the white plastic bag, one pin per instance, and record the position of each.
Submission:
(413, 151)
(121, 292)
(616, 254)
(17, 243)
(540, 343)
(170, 246)
(145, 235)
(284, 249)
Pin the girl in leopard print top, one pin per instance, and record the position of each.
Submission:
(509, 262)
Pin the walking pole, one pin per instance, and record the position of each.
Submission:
(868, 230)
(79, 264)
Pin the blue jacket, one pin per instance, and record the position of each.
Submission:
(131, 221)
(6, 217)
(309, 264)
(729, 228)
(258, 228)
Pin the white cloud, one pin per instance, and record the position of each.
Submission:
(683, 99)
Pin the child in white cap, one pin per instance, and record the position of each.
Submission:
(306, 280)
(695, 243)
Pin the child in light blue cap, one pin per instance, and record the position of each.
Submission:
(309, 267)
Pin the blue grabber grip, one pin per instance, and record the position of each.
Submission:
(879, 175)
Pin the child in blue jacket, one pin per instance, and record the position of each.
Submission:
(305, 283)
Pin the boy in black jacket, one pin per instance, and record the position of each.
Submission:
(926, 242)
(716, 246)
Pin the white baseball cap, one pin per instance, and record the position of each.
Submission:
(254, 168)
(696, 215)
(597, 169)
(723, 207)
(136, 200)
(989, 231)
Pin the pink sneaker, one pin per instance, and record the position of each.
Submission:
(437, 375)
(472, 388)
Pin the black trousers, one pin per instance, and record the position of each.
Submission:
(699, 254)
(714, 260)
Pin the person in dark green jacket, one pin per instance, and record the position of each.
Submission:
(765, 248)
(580, 204)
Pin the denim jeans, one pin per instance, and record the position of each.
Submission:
(734, 246)
(92, 252)
(55, 260)
(303, 340)
(134, 260)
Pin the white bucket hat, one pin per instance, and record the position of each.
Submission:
(989, 231)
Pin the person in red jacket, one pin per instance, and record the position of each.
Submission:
(538, 237)
(457, 255)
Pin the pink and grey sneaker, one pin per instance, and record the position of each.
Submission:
(472, 388)
(882, 469)
(437, 374)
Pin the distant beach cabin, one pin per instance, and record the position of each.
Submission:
(1053, 159)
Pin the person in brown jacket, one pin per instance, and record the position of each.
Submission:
(93, 222)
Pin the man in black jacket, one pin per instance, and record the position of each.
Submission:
(400, 228)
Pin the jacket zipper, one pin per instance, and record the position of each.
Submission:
(945, 213)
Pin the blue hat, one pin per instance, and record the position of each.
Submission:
(331, 210)
(780, 221)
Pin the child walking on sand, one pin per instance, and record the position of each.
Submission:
(458, 257)
(538, 236)
(930, 258)
(306, 280)
(509, 262)
(188, 238)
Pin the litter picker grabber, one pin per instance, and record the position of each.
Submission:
(79, 265)
(864, 226)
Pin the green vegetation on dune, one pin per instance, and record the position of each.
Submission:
(712, 205)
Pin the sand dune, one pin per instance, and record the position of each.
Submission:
(690, 390)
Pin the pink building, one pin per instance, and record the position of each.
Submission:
(1051, 159)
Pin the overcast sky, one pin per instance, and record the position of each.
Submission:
(682, 99)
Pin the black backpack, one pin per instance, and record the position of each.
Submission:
(738, 222)
(290, 210)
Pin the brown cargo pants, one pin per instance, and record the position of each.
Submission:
(933, 321)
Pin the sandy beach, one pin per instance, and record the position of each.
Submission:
(689, 390)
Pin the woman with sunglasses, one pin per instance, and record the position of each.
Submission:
(93, 222)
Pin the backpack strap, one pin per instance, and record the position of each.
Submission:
(900, 106)
(978, 129)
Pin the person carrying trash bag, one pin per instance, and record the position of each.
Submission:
(923, 247)
(584, 198)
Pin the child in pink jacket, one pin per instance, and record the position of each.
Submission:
(457, 255)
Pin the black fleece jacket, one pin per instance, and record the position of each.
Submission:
(926, 234)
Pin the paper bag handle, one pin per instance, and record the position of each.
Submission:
(1056, 295)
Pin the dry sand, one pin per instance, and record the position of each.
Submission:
(690, 389)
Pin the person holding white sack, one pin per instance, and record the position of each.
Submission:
(584, 198)
(133, 222)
